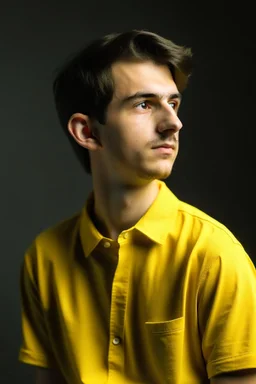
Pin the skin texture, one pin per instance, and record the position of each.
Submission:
(134, 127)
(124, 163)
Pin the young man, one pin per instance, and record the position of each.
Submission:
(139, 287)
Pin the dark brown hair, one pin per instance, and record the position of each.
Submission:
(85, 83)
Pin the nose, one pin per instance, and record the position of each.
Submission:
(168, 120)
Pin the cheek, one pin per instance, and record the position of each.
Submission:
(128, 132)
(138, 129)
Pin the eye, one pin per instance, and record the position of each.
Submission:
(142, 105)
(145, 105)
(173, 103)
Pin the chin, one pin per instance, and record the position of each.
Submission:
(156, 174)
(164, 177)
(163, 172)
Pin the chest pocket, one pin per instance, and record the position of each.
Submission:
(165, 349)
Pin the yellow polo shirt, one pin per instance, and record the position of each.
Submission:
(173, 300)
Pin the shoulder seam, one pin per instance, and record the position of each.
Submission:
(216, 224)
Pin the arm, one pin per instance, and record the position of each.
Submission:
(227, 315)
(246, 376)
(48, 376)
(36, 347)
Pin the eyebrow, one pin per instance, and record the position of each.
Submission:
(146, 95)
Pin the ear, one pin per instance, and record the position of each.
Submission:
(80, 127)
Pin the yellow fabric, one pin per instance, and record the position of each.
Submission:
(178, 289)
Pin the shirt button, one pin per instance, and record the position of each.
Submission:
(106, 244)
(116, 340)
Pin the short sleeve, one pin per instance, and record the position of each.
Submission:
(35, 348)
(227, 312)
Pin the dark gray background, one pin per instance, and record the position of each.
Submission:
(41, 181)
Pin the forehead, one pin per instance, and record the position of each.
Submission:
(131, 77)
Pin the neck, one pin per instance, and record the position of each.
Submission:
(119, 207)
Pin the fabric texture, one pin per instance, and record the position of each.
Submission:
(173, 300)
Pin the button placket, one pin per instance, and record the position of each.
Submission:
(118, 310)
(116, 341)
(106, 244)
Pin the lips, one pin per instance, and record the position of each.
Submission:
(165, 145)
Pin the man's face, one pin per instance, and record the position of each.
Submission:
(141, 116)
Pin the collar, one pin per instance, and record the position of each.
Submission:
(156, 223)
(160, 218)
